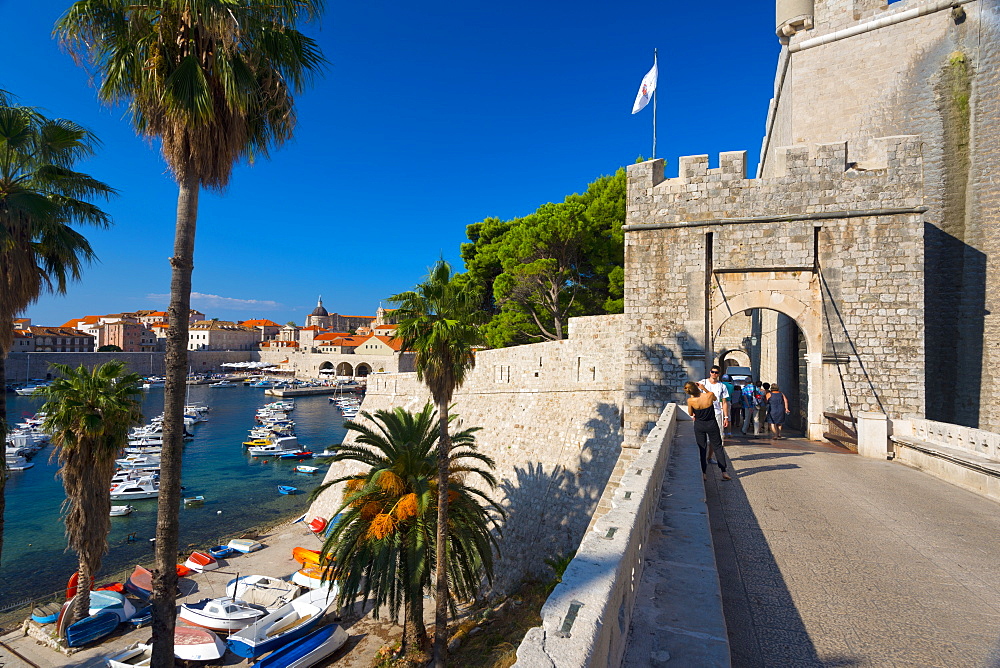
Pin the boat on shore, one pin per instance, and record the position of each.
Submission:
(191, 644)
(245, 545)
(220, 614)
(201, 562)
(292, 620)
(263, 590)
(91, 629)
(307, 650)
(140, 583)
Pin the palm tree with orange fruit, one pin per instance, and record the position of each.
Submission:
(383, 543)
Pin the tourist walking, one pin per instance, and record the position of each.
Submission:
(751, 400)
(701, 406)
(777, 410)
(762, 390)
(715, 385)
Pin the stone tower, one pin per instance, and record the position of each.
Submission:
(856, 70)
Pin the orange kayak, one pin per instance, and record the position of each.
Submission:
(305, 556)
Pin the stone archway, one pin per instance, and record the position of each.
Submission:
(737, 356)
(345, 369)
(362, 370)
(795, 294)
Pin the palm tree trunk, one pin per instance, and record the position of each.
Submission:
(81, 606)
(441, 574)
(3, 439)
(414, 631)
(167, 527)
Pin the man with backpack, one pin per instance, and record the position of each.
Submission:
(751, 399)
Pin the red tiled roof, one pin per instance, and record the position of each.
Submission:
(347, 341)
(259, 323)
(392, 342)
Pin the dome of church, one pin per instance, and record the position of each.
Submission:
(319, 310)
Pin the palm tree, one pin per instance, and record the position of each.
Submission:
(89, 414)
(383, 546)
(213, 81)
(41, 197)
(438, 320)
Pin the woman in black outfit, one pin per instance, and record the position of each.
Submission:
(701, 406)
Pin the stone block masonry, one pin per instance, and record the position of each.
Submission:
(833, 240)
(551, 418)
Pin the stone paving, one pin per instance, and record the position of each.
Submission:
(830, 559)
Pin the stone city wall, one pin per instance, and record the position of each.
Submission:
(833, 240)
(551, 419)
(21, 366)
(308, 364)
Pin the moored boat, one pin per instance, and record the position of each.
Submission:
(307, 650)
(143, 488)
(262, 590)
(221, 551)
(287, 489)
(91, 628)
(194, 500)
(121, 511)
(140, 583)
(46, 613)
(111, 601)
(191, 644)
(309, 470)
(220, 614)
(201, 561)
(245, 545)
(292, 620)
(136, 655)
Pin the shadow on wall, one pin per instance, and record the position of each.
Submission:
(549, 511)
(665, 377)
(955, 313)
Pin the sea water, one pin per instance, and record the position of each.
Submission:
(240, 491)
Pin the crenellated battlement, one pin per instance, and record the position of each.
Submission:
(885, 172)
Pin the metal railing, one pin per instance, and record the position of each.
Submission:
(842, 430)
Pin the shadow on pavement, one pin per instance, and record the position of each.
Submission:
(763, 623)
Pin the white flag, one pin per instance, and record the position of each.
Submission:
(646, 89)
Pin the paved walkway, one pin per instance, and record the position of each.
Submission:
(830, 559)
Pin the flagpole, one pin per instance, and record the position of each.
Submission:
(654, 105)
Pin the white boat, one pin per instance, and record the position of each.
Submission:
(191, 644)
(136, 655)
(121, 511)
(308, 650)
(111, 601)
(134, 474)
(292, 620)
(278, 445)
(311, 577)
(138, 462)
(143, 488)
(222, 383)
(271, 593)
(245, 545)
(28, 391)
(17, 463)
(220, 614)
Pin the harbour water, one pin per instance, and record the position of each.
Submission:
(240, 492)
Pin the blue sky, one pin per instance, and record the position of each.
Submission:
(430, 117)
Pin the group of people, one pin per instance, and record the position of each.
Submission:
(715, 402)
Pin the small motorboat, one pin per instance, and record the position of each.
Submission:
(111, 601)
(221, 551)
(201, 562)
(47, 613)
(287, 489)
(244, 545)
(143, 488)
(194, 500)
(292, 620)
(300, 454)
(121, 511)
(307, 650)
(310, 470)
(222, 383)
(136, 655)
(140, 583)
(262, 590)
(220, 614)
(91, 629)
(191, 644)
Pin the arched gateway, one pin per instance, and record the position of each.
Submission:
(833, 245)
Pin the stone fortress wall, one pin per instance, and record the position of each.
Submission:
(833, 239)
(551, 417)
(867, 68)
